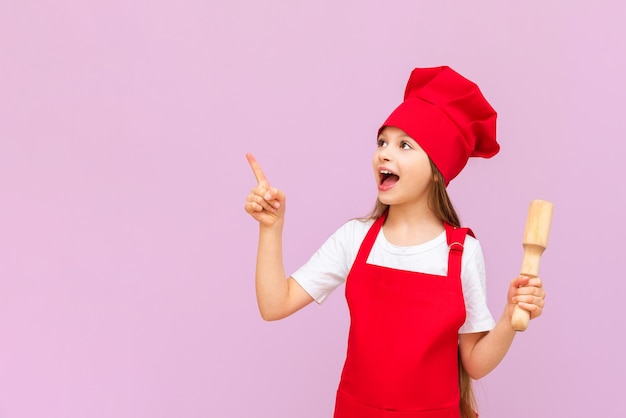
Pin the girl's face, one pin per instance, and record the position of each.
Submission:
(401, 168)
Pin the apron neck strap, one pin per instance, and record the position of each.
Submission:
(455, 237)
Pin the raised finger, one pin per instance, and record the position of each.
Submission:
(256, 168)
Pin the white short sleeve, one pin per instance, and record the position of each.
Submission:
(478, 317)
(331, 263)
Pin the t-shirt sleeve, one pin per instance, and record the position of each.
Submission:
(478, 317)
(331, 263)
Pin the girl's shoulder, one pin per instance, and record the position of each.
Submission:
(354, 229)
(359, 223)
(473, 252)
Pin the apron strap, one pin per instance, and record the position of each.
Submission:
(456, 240)
(370, 238)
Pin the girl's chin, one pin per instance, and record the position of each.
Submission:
(385, 200)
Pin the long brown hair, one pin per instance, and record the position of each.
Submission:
(441, 205)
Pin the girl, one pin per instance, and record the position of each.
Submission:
(415, 284)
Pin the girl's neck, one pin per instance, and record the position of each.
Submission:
(411, 225)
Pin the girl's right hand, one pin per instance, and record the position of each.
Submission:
(266, 204)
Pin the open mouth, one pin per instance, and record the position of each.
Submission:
(387, 179)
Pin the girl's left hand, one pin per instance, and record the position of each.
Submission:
(528, 294)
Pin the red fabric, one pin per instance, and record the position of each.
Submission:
(402, 346)
(447, 115)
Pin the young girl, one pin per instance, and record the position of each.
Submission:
(415, 283)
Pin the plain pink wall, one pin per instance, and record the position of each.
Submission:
(127, 261)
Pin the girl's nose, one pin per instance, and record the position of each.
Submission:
(384, 154)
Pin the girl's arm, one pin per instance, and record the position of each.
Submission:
(481, 352)
(277, 296)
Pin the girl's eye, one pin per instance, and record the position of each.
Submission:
(381, 143)
(405, 145)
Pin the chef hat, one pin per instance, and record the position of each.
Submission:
(447, 115)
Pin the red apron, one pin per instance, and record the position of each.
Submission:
(403, 342)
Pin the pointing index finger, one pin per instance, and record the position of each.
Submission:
(256, 168)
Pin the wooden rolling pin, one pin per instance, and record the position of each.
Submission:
(535, 242)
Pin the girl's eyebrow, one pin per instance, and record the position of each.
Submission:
(406, 137)
(399, 138)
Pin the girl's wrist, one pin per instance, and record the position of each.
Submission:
(276, 227)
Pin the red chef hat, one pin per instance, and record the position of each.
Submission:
(447, 115)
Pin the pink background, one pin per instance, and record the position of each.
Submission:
(127, 261)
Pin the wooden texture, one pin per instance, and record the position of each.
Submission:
(535, 241)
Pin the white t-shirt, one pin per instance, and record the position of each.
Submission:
(330, 265)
